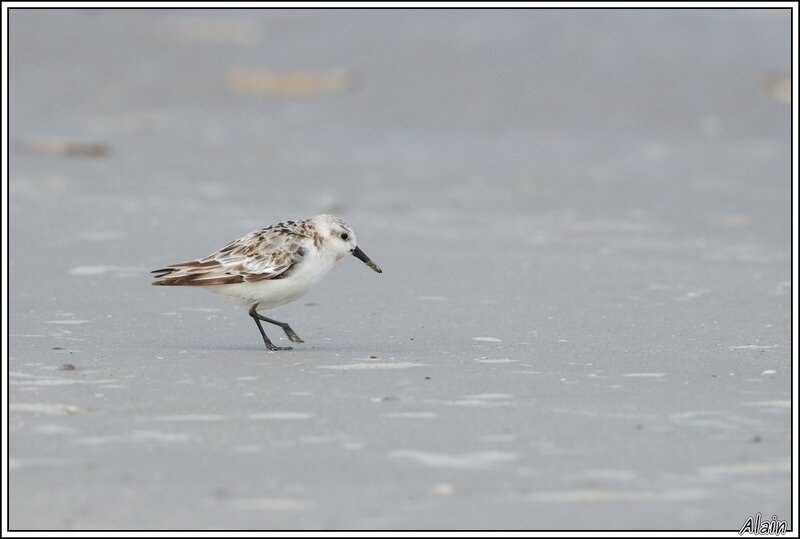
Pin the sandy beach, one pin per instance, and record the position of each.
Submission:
(583, 220)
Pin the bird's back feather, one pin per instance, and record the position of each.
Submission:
(268, 253)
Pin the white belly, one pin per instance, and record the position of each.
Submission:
(275, 292)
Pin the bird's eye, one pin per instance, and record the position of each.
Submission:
(344, 236)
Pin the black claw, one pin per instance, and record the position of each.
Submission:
(274, 348)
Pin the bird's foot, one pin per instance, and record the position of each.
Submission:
(274, 348)
(294, 337)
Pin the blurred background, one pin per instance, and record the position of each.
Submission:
(583, 217)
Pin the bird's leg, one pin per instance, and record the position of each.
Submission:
(294, 337)
(267, 342)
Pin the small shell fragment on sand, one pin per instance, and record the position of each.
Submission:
(68, 149)
(292, 84)
(442, 489)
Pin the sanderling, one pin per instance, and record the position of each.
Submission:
(271, 266)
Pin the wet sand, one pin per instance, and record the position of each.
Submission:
(583, 220)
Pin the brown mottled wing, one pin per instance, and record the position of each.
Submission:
(268, 253)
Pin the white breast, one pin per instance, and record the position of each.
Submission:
(274, 292)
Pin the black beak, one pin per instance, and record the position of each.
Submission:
(359, 254)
